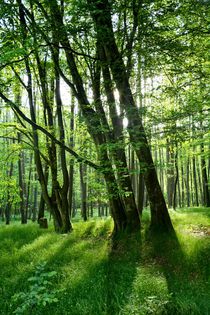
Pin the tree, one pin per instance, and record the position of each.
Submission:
(101, 12)
(131, 61)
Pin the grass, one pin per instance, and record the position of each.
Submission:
(137, 275)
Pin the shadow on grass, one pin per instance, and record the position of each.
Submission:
(95, 273)
(96, 283)
(15, 269)
(124, 257)
(18, 235)
(186, 276)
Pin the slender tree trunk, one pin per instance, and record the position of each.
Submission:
(71, 166)
(179, 190)
(182, 185)
(187, 183)
(191, 183)
(22, 185)
(28, 189)
(195, 180)
(200, 183)
(206, 190)
(9, 197)
(51, 202)
(176, 178)
(140, 193)
(161, 168)
(170, 173)
(83, 185)
(42, 202)
(35, 203)
(62, 195)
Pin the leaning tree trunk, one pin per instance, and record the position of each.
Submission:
(115, 145)
(101, 13)
(119, 153)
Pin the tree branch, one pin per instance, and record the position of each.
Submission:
(48, 134)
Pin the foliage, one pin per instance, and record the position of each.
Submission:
(40, 293)
(164, 46)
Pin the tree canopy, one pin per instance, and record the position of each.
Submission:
(115, 91)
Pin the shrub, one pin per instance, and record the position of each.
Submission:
(39, 295)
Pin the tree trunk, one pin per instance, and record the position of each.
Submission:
(182, 184)
(42, 201)
(195, 180)
(170, 173)
(140, 193)
(101, 13)
(187, 182)
(22, 185)
(71, 166)
(90, 116)
(176, 178)
(35, 203)
(206, 190)
(8, 201)
(118, 152)
(62, 195)
(28, 189)
(83, 188)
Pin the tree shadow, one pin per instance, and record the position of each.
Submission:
(105, 284)
(18, 237)
(186, 275)
(123, 259)
(81, 275)
(17, 265)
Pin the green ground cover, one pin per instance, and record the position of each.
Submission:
(93, 276)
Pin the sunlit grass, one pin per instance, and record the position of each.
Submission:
(147, 275)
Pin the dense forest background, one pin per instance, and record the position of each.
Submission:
(104, 109)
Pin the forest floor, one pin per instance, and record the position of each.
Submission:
(82, 273)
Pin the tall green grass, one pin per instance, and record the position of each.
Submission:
(137, 274)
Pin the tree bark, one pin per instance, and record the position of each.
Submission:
(22, 187)
(206, 190)
(170, 173)
(101, 13)
(62, 195)
(8, 201)
(176, 178)
(71, 166)
(83, 188)
(91, 118)
(195, 181)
